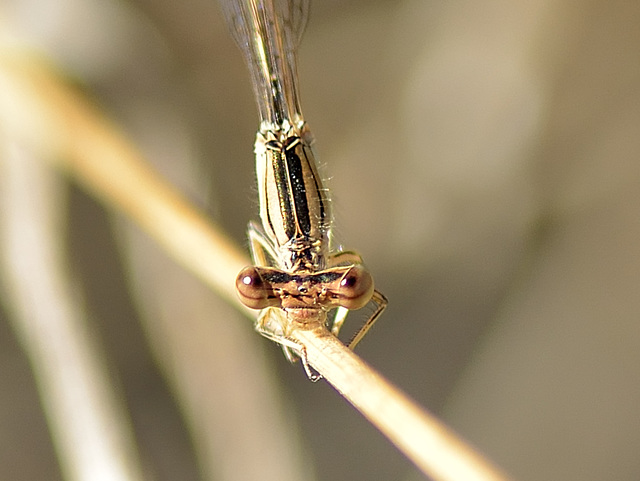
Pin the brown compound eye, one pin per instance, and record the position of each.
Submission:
(254, 291)
(355, 288)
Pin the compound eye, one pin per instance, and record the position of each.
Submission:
(253, 291)
(355, 288)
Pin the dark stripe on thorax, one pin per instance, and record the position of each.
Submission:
(283, 188)
(295, 200)
(298, 191)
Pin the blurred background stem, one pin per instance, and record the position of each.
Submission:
(89, 424)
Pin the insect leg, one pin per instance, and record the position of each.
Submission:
(292, 349)
(338, 320)
(381, 302)
(262, 249)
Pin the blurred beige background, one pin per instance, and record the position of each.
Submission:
(482, 156)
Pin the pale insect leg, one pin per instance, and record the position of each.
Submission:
(262, 249)
(338, 320)
(382, 302)
(271, 324)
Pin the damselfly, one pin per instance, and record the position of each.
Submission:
(295, 273)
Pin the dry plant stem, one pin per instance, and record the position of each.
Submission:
(104, 162)
(89, 426)
(432, 446)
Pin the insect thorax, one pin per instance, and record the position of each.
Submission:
(294, 205)
(303, 254)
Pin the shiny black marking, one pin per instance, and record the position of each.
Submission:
(276, 276)
(298, 189)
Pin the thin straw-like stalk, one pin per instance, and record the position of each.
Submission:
(89, 425)
(102, 160)
(431, 445)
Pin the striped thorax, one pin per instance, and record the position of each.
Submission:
(294, 205)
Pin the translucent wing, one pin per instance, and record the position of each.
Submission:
(292, 13)
(268, 32)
